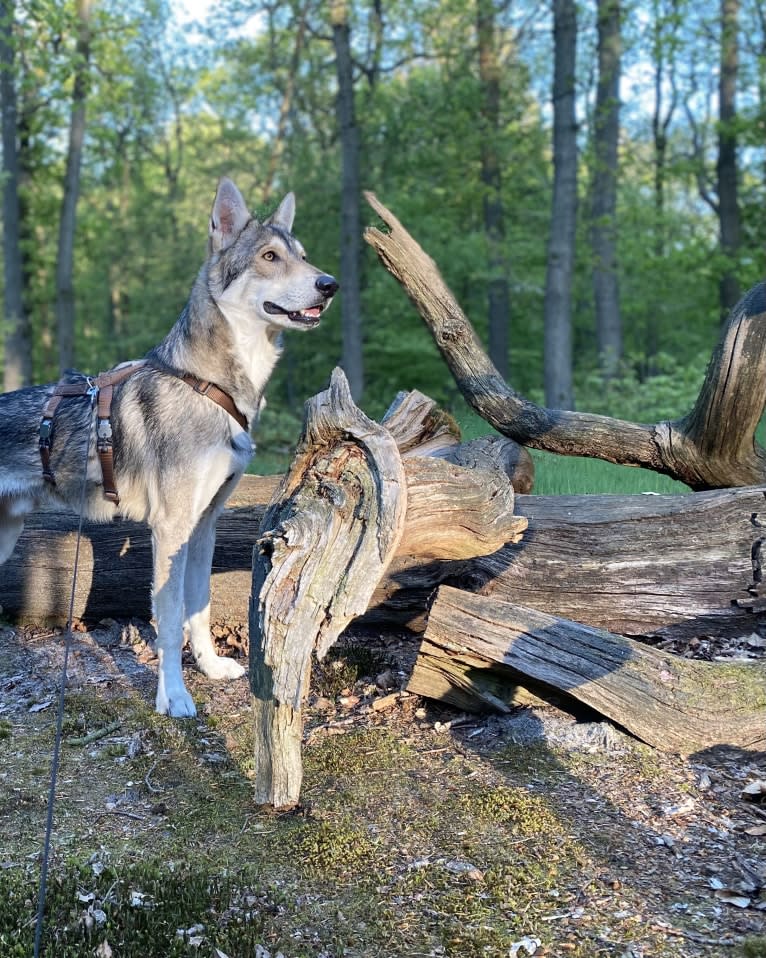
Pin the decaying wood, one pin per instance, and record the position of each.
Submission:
(329, 533)
(115, 565)
(669, 566)
(348, 504)
(478, 651)
(672, 566)
(712, 447)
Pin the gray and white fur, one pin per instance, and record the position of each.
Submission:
(177, 455)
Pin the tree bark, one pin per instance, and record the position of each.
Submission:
(347, 506)
(65, 311)
(478, 650)
(557, 345)
(327, 537)
(664, 41)
(498, 292)
(17, 364)
(712, 447)
(604, 188)
(350, 216)
(727, 173)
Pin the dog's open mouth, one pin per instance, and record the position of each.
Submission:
(306, 317)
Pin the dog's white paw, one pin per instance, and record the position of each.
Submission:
(220, 667)
(175, 702)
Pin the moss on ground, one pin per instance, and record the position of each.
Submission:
(407, 842)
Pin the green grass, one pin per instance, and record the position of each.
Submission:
(277, 435)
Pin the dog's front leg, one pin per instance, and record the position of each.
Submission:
(170, 554)
(197, 600)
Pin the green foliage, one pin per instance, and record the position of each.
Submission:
(248, 94)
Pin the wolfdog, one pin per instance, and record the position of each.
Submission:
(180, 425)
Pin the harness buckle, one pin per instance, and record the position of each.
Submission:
(104, 434)
(46, 433)
(202, 386)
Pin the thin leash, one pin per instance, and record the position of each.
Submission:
(92, 392)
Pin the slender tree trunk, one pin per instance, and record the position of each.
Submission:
(561, 244)
(67, 222)
(604, 188)
(498, 293)
(664, 31)
(351, 226)
(288, 93)
(18, 346)
(728, 202)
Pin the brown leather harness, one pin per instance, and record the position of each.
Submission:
(102, 387)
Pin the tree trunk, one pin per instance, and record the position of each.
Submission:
(727, 174)
(350, 217)
(664, 40)
(498, 293)
(561, 244)
(65, 312)
(478, 650)
(712, 447)
(17, 371)
(604, 189)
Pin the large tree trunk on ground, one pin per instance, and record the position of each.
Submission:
(669, 566)
(712, 447)
(478, 650)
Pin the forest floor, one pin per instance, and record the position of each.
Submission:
(422, 831)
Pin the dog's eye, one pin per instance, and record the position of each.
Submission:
(269, 255)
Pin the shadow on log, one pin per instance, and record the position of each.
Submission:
(478, 650)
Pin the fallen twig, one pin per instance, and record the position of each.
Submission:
(95, 736)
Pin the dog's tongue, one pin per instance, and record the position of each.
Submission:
(314, 312)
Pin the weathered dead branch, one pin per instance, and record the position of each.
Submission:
(712, 447)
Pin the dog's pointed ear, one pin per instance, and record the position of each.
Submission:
(228, 217)
(284, 214)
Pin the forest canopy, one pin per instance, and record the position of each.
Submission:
(590, 179)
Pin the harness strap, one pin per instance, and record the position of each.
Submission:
(205, 388)
(104, 385)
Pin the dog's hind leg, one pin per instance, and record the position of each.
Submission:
(11, 526)
(197, 601)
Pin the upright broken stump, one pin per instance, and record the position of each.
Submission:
(330, 531)
(348, 505)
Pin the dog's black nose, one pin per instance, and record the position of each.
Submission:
(326, 284)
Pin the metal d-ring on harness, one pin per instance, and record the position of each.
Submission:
(102, 387)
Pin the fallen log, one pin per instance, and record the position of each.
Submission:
(478, 652)
(673, 567)
(669, 566)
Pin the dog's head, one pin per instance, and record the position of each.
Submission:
(259, 270)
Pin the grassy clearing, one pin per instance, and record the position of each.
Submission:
(554, 475)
